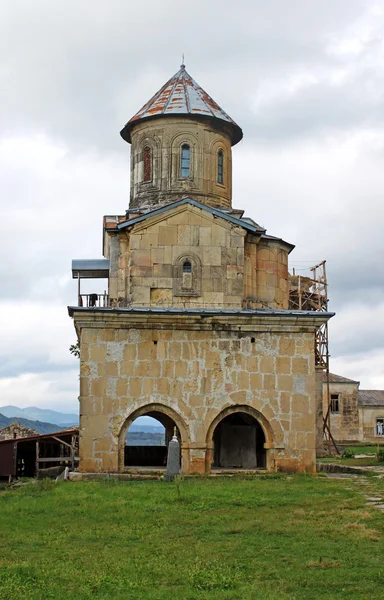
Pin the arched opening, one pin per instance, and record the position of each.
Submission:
(147, 164)
(169, 419)
(146, 441)
(238, 443)
(185, 160)
(220, 167)
(187, 266)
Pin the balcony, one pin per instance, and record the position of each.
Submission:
(93, 300)
(91, 269)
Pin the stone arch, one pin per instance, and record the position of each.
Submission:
(153, 144)
(187, 284)
(155, 409)
(231, 410)
(194, 180)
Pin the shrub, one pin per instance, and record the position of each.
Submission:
(380, 455)
(348, 453)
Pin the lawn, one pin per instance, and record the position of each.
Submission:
(267, 538)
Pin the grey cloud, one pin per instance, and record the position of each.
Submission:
(70, 68)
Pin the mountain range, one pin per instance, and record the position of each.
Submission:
(38, 426)
(47, 421)
(40, 414)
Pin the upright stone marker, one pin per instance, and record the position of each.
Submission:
(173, 459)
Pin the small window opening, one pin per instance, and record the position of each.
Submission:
(220, 167)
(380, 427)
(185, 160)
(253, 340)
(187, 267)
(147, 164)
(335, 403)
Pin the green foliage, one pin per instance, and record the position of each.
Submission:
(75, 349)
(266, 538)
(380, 455)
(348, 453)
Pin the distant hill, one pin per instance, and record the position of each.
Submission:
(141, 438)
(40, 414)
(48, 421)
(38, 426)
(147, 428)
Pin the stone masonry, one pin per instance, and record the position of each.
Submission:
(196, 330)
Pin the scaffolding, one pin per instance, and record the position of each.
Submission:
(311, 293)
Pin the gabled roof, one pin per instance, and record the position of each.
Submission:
(181, 95)
(244, 223)
(371, 398)
(333, 378)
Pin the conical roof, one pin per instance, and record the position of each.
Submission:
(181, 95)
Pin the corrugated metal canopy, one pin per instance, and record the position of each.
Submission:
(181, 95)
(90, 269)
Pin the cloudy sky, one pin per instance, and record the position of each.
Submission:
(304, 79)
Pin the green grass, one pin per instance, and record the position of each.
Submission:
(353, 462)
(267, 538)
(363, 449)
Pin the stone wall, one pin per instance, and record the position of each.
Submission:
(367, 417)
(230, 269)
(196, 370)
(16, 431)
(345, 424)
(164, 137)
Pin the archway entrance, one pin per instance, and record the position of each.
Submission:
(146, 445)
(238, 442)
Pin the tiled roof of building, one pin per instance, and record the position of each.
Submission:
(181, 95)
(245, 223)
(333, 378)
(371, 397)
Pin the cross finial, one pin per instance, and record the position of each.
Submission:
(182, 61)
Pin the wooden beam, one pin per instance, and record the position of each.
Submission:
(37, 459)
(57, 459)
(61, 441)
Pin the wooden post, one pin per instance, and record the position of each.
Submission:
(73, 450)
(37, 458)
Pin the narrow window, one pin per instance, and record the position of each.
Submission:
(187, 267)
(379, 426)
(220, 167)
(147, 164)
(335, 403)
(185, 160)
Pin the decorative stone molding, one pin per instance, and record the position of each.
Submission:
(186, 281)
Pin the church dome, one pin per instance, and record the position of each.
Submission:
(181, 95)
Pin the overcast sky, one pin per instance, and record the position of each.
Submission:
(303, 78)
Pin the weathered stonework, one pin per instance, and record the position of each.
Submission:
(196, 372)
(165, 137)
(358, 411)
(196, 330)
(233, 269)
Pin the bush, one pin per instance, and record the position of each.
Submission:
(380, 455)
(348, 453)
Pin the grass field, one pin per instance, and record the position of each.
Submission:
(269, 538)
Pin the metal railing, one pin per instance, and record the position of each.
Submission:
(93, 300)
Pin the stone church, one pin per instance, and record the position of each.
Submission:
(195, 328)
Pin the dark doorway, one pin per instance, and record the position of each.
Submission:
(147, 445)
(239, 443)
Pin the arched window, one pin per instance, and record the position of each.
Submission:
(187, 267)
(185, 160)
(220, 167)
(147, 164)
